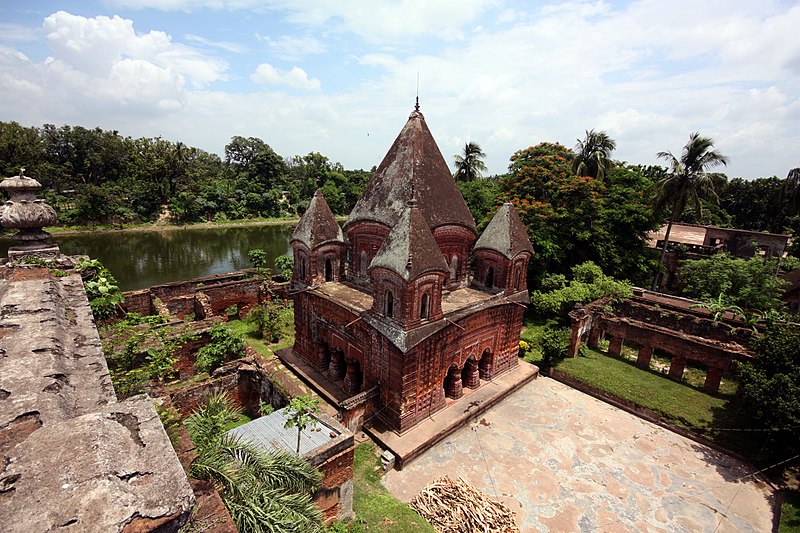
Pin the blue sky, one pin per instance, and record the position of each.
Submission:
(340, 77)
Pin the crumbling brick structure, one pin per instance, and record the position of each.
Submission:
(390, 305)
(669, 324)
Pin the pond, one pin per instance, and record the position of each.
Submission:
(140, 259)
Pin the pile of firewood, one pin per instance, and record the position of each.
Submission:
(454, 506)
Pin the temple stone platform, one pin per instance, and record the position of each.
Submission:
(433, 429)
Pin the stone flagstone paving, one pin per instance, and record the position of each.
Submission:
(564, 461)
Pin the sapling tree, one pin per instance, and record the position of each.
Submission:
(300, 415)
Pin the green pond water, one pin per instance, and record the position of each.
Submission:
(140, 259)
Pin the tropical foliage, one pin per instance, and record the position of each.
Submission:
(558, 297)
(470, 165)
(263, 491)
(593, 155)
(97, 176)
(747, 284)
(688, 182)
(225, 345)
(572, 219)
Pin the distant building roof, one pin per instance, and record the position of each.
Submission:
(268, 433)
(413, 169)
(505, 233)
(410, 249)
(317, 225)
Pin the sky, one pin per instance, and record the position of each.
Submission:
(340, 78)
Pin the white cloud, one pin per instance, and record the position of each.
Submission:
(11, 32)
(290, 47)
(266, 74)
(236, 48)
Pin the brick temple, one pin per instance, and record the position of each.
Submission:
(392, 304)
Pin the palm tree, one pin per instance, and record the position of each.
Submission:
(470, 165)
(791, 188)
(688, 182)
(593, 155)
(263, 491)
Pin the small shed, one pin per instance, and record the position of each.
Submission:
(329, 447)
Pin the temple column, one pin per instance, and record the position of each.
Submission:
(352, 379)
(452, 384)
(594, 337)
(713, 379)
(645, 354)
(615, 345)
(470, 376)
(485, 367)
(676, 367)
(336, 368)
(323, 358)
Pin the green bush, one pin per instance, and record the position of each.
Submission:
(101, 288)
(588, 284)
(553, 343)
(284, 265)
(225, 344)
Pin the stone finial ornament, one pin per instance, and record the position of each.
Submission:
(28, 215)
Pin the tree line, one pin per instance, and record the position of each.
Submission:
(96, 176)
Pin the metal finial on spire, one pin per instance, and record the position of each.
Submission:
(416, 106)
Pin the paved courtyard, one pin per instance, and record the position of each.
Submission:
(564, 461)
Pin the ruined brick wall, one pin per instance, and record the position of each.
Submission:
(139, 302)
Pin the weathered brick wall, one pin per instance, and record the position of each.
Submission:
(139, 302)
(337, 479)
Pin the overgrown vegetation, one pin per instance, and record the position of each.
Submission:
(225, 345)
(750, 284)
(263, 491)
(102, 289)
(148, 352)
(558, 296)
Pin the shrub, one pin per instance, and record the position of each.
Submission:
(225, 344)
(284, 266)
(554, 343)
(101, 288)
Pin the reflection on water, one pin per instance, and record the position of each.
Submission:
(139, 259)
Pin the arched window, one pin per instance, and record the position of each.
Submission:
(424, 306)
(454, 268)
(362, 263)
(302, 267)
(389, 304)
(517, 275)
(328, 270)
(489, 278)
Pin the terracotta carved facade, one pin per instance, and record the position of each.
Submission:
(390, 305)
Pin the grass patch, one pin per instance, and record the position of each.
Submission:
(241, 419)
(675, 402)
(790, 512)
(376, 509)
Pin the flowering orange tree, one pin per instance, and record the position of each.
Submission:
(572, 219)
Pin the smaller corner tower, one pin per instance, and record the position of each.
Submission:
(502, 253)
(318, 245)
(408, 272)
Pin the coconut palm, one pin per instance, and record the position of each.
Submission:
(263, 491)
(688, 182)
(593, 155)
(470, 165)
(791, 188)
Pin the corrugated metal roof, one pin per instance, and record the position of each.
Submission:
(268, 433)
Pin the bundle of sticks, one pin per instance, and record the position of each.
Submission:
(454, 506)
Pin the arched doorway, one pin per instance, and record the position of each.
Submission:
(328, 270)
(454, 269)
(489, 278)
(470, 376)
(452, 383)
(362, 263)
(486, 365)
